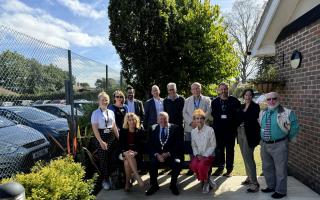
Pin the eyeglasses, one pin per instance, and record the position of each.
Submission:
(121, 97)
(274, 98)
(170, 89)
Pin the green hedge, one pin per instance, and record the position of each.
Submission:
(60, 179)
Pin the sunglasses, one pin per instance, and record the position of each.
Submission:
(121, 97)
(269, 99)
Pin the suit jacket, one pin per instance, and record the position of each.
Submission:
(173, 145)
(251, 124)
(189, 107)
(138, 109)
(150, 116)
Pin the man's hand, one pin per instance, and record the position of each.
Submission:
(165, 155)
(193, 124)
(160, 157)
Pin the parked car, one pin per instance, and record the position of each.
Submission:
(20, 147)
(53, 128)
(41, 102)
(22, 103)
(58, 101)
(81, 103)
(7, 103)
(59, 110)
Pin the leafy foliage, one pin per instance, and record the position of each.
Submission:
(61, 179)
(160, 41)
(23, 75)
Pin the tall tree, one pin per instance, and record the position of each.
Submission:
(170, 40)
(241, 24)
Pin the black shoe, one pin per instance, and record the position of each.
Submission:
(267, 190)
(152, 190)
(228, 173)
(174, 190)
(277, 195)
(218, 171)
(189, 173)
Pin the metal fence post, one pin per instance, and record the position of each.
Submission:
(72, 121)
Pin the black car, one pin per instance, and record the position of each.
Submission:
(20, 147)
(59, 110)
(53, 128)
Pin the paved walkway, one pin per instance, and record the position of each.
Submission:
(228, 188)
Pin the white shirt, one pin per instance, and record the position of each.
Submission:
(159, 105)
(130, 105)
(100, 118)
(203, 141)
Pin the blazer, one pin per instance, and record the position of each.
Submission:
(150, 116)
(138, 145)
(189, 107)
(251, 124)
(138, 109)
(173, 145)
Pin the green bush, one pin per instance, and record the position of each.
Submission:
(60, 179)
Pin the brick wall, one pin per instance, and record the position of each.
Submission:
(302, 94)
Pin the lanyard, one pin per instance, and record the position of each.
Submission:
(106, 120)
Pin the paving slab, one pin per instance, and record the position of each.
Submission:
(227, 189)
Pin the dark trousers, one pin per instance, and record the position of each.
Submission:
(154, 166)
(225, 150)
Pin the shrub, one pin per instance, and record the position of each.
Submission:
(60, 179)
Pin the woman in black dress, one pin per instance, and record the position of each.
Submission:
(119, 108)
(130, 141)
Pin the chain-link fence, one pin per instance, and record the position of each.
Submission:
(38, 108)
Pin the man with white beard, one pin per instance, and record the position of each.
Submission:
(279, 125)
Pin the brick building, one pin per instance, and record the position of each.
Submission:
(287, 26)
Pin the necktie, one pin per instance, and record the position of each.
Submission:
(267, 128)
(163, 135)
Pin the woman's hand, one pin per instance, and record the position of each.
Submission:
(103, 145)
(199, 157)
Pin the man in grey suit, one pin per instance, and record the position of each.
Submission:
(134, 105)
(152, 107)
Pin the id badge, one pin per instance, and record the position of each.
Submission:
(106, 130)
(223, 116)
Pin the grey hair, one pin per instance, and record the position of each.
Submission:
(172, 84)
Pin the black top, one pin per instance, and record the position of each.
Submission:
(251, 124)
(119, 113)
(174, 109)
(225, 115)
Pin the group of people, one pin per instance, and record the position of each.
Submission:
(205, 129)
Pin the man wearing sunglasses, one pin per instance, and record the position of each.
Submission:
(279, 125)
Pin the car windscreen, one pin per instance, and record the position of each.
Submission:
(5, 122)
(33, 114)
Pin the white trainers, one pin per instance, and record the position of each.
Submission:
(106, 185)
(212, 183)
(206, 188)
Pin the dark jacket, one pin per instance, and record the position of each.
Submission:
(138, 109)
(173, 145)
(251, 124)
(174, 110)
(150, 113)
(232, 109)
(138, 143)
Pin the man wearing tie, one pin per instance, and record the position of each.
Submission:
(165, 148)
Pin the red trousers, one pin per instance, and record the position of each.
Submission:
(201, 167)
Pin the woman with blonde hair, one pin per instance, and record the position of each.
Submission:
(131, 137)
(203, 142)
(105, 132)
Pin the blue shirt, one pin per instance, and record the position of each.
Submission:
(159, 105)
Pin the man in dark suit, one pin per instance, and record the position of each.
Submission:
(134, 105)
(165, 148)
(152, 107)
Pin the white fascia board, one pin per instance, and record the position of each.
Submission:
(265, 25)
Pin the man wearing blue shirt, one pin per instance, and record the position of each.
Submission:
(279, 125)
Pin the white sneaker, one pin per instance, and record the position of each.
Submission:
(106, 185)
(212, 183)
(206, 188)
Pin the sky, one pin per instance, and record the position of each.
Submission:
(79, 25)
